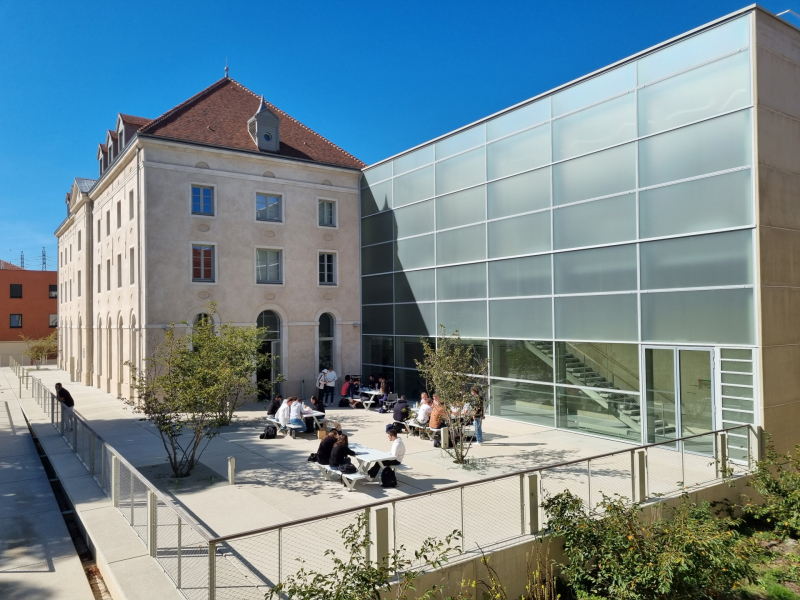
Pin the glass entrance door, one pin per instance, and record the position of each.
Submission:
(678, 395)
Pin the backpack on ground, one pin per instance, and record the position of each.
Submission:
(388, 478)
(437, 440)
(312, 457)
(270, 432)
(344, 403)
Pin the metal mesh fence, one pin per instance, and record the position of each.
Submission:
(573, 477)
(700, 460)
(139, 509)
(308, 543)
(665, 469)
(422, 517)
(247, 567)
(493, 512)
(611, 477)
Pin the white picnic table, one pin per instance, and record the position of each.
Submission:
(367, 457)
(315, 414)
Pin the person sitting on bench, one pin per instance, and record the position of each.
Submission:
(282, 416)
(438, 413)
(347, 388)
(424, 411)
(296, 414)
(274, 406)
(326, 447)
(400, 415)
(398, 451)
(341, 449)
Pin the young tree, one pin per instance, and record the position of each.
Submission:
(450, 369)
(41, 349)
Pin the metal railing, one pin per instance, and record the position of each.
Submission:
(489, 512)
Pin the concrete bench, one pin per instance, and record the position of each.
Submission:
(348, 479)
(293, 429)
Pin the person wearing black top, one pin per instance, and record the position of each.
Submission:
(326, 446)
(340, 450)
(64, 396)
(400, 415)
(317, 405)
(273, 407)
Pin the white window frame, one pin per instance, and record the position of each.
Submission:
(335, 269)
(280, 249)
(335, 203)
(266, 193)
(215, 265)
(214, 203)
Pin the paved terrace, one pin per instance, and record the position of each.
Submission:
(275, 483)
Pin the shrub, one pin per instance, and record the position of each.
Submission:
(777, 479)
(616, 552)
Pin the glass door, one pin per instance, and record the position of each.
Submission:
(660, 395)
(696, 398)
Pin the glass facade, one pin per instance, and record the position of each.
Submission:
(578, 237)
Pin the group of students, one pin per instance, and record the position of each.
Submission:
(334, 451)
(326, 384)
(290, 411)
(433, 414)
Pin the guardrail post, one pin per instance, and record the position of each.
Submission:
(721, 462)
(152, 513)
(231, 470)
(91, 454)
(52, 410)
(115, 481)
(212, 570)
(640, 476)
(533, 509)
(379, 535)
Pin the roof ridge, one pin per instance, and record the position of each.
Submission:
(185, 104)
(306, 127)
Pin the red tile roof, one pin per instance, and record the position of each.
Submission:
(131, 120)
(218, 116)
(113, 134)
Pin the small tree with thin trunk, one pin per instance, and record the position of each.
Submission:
(39, 350)
(450, 369)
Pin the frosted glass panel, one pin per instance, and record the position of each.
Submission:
(600, 126)
(522, 319)
(703, 316)
(414, 286)
(715, 145)
(594, 223)
(377, 174)
(377, 319)
(461, 245)
(415, 319)
(529, 276)
(412, 160)
(518, 119)
(413, 186)
(464, 281)
(414, 220)
(715, 202)
(376, 259)
(461, 208)
(598, 270)
(519, 194)
(460, 171)
(377, 229)
(413, 253)
(520, 235)
(701, 261)
(720, 87)
(698, 49)
(460, 142)
(600, 174)
(377, 289)
(469, 318)
(376, 198)
(594, 90)
(521, 152)
(605, 318)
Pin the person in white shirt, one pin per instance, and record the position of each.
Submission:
(423, 412)
(398, 451)
(330, 385)
(321, 384)
(296, 414)
(282, 416)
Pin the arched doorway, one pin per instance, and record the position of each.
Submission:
(326, 340)
(271, 345)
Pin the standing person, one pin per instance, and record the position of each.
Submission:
(274, 406)
(296, 414)
(321, 384)
(398, 451)
(64, 396)
(478, 415)
(330, 385)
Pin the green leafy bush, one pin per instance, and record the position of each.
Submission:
(777, 479)
(775, 591)
(688, 554)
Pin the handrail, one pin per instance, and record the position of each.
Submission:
(456, 486)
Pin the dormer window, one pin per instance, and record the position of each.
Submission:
(264, 128)
(121, 137)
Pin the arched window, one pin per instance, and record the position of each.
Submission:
(271, 345)
(270, 320)
(326, 339)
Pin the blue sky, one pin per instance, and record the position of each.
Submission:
(374, 77)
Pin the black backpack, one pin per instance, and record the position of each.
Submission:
(344, 403)
(347, 467)
(388, 479)
(270, 433)
(437, 440)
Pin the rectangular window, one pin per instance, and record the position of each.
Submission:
(53, 291)
(70, 290)
(108, 274)
(16, 321)
(108, 222)
(119, 270)
(70, 253)
(16, 290)
(119, 214)
(268, 266)
(327, 213)
(130, 205)
(202, 200)
(327, 268)
(79, 241)
(99, 288)
(79, 284)
(132, 266)
(99, 229)
(268, 207)
(202, 262)
(52, 320)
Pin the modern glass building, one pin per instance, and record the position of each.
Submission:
(604, 243)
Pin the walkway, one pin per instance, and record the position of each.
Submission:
(37, 557)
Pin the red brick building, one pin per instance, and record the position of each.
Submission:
(28, 306)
